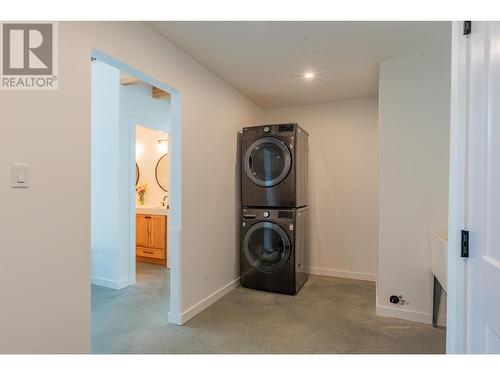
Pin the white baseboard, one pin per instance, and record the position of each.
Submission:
(204, 303)
(414, 316)
(174, 318)
(339, 273)
(113, 284)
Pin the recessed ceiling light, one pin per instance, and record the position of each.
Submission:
(309, 75)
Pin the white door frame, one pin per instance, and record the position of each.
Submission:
(175, 188)
(457, 219)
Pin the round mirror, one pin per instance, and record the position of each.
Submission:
(161, 172)
(136, 174)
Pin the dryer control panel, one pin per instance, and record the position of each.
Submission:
(281, 129)
(284, 215)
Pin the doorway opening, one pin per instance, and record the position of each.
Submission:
(152, 180)
(136, 193)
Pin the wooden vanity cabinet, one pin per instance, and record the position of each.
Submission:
(151, 238)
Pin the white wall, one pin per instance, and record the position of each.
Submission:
(414, 97)
(147, 141)
(45, 237)
(343, 184)
(105, 202)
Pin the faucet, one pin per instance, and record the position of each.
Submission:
(163, 201)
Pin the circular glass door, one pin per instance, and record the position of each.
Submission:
(266, 246)
(267, 161)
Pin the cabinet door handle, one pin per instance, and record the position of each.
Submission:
(148, 252)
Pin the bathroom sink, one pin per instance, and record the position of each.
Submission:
(152, 210)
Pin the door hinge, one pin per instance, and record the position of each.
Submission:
(465, 244)
(467, 27)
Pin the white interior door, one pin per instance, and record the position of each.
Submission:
(483, 189)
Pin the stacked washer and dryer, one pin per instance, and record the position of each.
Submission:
(275, 217)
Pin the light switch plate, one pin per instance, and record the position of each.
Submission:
(20, 175)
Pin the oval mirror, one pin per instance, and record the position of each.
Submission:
(136, 174)
(161, 172)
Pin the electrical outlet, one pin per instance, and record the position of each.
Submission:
(397, 300)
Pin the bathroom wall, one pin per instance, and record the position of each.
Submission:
(46, 229)
(148, 152)
(343, 184)
(414, 109)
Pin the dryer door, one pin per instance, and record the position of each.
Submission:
(266, 246)
(267, 161)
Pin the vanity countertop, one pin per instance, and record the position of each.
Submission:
(151, 210)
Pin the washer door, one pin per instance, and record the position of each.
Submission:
(266, 246)
(267, 161)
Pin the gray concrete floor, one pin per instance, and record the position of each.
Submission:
(329, 315)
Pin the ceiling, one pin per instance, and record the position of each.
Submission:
(266, 61)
